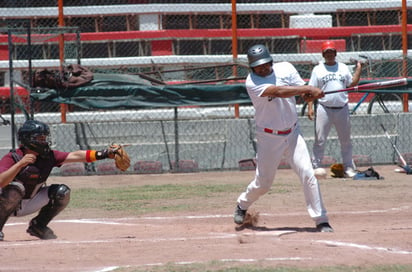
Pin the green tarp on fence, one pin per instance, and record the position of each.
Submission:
(106, 92)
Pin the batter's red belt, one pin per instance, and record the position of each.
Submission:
(279, 132)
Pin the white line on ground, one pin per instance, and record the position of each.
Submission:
(211, 236)
(110, 268)
(401, 208)
(116, 220)
(86, 221)
(150, 240)
(385, 249)
(92, 221)
(187, 217)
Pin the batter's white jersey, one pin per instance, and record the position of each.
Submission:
(331, 78)
(284, 74)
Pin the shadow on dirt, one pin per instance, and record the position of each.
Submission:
(258, 228)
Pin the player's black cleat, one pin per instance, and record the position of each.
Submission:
(44, 233)
(324, 227)
(1, 236)
(239, 216)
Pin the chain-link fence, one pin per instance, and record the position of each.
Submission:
(182, 42)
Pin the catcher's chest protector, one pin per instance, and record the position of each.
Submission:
(34, 175)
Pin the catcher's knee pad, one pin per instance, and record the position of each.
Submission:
(13, 191)
(10, 198)
(59, 194)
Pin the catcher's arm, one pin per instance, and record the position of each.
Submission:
(88, 156)
(114, 151)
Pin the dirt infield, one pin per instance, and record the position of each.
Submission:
(372, 221)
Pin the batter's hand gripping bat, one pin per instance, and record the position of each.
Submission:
(373, 86)
(404, 165)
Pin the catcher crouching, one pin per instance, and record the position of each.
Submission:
(24, 172)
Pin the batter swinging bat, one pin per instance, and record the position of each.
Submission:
(374, 86)
(404, 165)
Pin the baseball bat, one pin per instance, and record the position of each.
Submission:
(404, 165)
(373, 86)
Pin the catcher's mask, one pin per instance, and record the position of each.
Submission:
(258, 55)
(34, 135)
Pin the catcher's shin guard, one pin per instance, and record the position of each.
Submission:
(10, 198)
(59, 195)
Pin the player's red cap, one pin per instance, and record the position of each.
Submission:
(328, 45)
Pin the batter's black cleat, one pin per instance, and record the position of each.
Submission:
(44, 233)
(1, 236)
(324, 227)
(239, 216)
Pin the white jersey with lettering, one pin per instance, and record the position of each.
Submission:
(333, 110)
(331, 78)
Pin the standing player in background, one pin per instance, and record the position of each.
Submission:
(333, 108)
(272, 89)
(23, 175)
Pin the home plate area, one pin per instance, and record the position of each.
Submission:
(104, 244)
(372, 220)
(138, 243)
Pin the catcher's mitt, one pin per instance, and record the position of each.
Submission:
(121, 157)
(337, 170)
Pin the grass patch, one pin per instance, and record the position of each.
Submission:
(147, 198)
(138, 200)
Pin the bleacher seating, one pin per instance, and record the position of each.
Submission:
(169, 42)
(368, 17)
(133, 17)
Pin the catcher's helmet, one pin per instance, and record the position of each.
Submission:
(33, 135)
(258, 55)
(328, 45)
